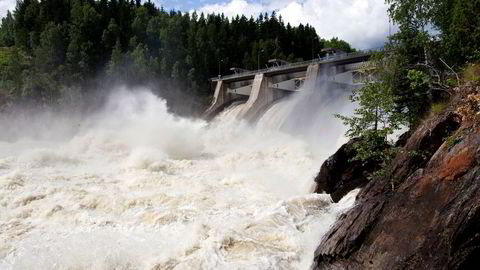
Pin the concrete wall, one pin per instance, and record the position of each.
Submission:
(219, 97)
(222, 99)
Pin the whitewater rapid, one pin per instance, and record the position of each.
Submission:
(134, 187)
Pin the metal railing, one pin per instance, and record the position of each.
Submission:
(323, 60)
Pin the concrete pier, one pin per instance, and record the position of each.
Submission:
(260, 98)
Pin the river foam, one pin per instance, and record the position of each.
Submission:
(134, 187)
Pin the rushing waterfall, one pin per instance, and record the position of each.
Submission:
(232, 113)
(134, 187)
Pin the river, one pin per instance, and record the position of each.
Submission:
(135, 187)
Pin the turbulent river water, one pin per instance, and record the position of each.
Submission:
(134, 187)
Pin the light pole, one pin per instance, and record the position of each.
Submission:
(258, 62)
(219, 63)
(313, 40)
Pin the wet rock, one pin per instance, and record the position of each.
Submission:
(340, 174)
(431, 219)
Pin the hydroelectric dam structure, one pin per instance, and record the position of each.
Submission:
(259, 89)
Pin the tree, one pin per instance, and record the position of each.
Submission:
(376, 116)
(140, 23)
(338, 44)
(81, 51)
(11, 74)
(463, 40)
(50, 54)
(423, 55)
(111, 35)
(116, 60)
(141, 63)
(7, 31)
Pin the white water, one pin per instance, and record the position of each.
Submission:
(309, 116)
(133, 187)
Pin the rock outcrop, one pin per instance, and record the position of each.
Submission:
(339, 174)
(425, 212)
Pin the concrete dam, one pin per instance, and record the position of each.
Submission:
(261, 88)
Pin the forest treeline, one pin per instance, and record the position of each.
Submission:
(53, 49)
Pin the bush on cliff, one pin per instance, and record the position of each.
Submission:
(375, 119)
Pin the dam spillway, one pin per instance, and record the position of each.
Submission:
(261, 88)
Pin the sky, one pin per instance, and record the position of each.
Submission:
(362, 23)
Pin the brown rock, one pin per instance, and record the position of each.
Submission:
(340, 174)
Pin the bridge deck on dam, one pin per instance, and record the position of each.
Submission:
(346, 58)
(261, 88)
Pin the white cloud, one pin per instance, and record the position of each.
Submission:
(363, 23)
(234, 7)
(6, 5)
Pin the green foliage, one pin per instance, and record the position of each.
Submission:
(427, 61)
(13, 62)
(50, 54)
(452, 82)
(418, 79)
(416, 71)
(453, 140)
(116, 60)
(7, 31)
(462, 37)
(111, 35)
(373, 121)
(374, 113)
(338, 44)
(376, 116)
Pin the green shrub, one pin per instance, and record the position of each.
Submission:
(453, 140)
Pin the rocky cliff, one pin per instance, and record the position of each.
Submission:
(425, 212)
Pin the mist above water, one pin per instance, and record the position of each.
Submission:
(309, 116)
(132, 186)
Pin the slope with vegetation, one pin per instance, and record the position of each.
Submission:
(436, 42)
(420, 203)
(431, 220)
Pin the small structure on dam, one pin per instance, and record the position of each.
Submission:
(260, 88)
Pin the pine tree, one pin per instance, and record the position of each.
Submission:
(116, 60)
(7, 31)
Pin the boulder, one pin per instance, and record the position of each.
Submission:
(339, 174)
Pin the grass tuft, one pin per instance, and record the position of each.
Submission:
(438, 107)
(472, 73)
